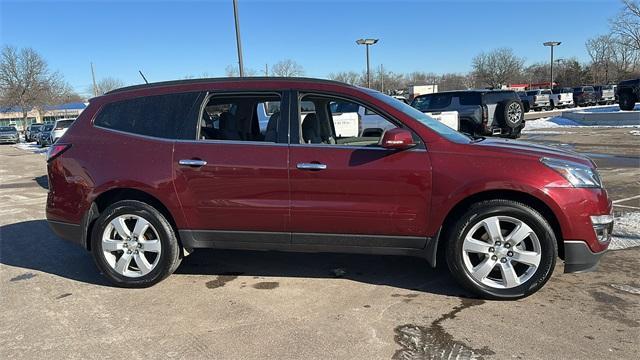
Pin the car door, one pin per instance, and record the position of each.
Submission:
(232, 181)
(350, 192)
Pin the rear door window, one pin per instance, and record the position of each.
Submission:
(170, 116)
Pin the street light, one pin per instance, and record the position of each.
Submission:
(551, 44)
(238, 42)
(367, 42)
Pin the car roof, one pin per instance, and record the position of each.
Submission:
(249, 79)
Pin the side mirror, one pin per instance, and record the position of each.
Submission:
(397, 139)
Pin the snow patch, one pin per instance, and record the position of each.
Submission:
(31, 147)
(626, 231)
(560, 122)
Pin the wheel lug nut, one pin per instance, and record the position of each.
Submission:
(494, 257)
(498, 243)
(503, 260)
(491, 249)
(510, 253)
(128, 251)
(507, 245)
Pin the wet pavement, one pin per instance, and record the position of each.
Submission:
(258, 305)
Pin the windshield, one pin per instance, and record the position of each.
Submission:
(47, 128)
(7, 128)
(427, 121)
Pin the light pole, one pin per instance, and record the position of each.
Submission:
(367, 42)
(551, 44)
(238, 42)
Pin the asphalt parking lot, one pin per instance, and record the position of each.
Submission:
(258, 305)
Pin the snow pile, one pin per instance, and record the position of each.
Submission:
(548, 123)
(560, 122)
(32, 147)
(626, 231)
(605, 109)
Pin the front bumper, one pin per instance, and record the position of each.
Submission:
(579, 258)
(8, 140)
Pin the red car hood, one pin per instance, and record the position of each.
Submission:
(533, 150)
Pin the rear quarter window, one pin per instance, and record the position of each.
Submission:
(170, 116)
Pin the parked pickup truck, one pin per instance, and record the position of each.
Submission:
(628, 93)
(561, 97)
(537, 99)
(605, 94)
(584, 95)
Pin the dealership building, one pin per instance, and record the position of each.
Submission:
(13, 116)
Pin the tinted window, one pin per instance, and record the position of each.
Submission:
(588, 88)
(64, 124)
(469, 98)
(496, 97)
(430, 102)
(343, 107)
(7, 128)
(171, 116)
(546, 92)
(533, 92)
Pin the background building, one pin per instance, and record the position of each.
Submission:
(13, 116)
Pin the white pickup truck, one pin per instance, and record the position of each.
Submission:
(561, 97)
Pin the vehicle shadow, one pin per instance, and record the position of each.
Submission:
(32, 245)
(402, 272)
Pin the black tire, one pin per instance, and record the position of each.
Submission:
(498, 207)
(627, 101)
(506, 114)
(169, 258)
(526, 106)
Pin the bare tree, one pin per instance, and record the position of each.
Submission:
(627, 24)
(232, 71)
(27, 83)
(498, 67)
(349, 77)
(287, 68)
(107, 84)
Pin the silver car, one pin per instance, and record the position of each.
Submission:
(9, 134)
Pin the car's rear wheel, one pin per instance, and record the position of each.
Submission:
(501, 249)
(134, 245)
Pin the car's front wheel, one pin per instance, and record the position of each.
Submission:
(501, 249)
(134, 245)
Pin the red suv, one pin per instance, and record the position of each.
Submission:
(148, 173)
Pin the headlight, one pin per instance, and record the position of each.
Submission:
(578, 175)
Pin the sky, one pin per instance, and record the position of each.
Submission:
(175, 39)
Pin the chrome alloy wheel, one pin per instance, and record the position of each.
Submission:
(513, 112)
(131, 245)
(501, 252)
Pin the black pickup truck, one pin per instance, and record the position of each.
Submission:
(628, 93)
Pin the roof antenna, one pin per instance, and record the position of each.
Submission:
(144, 78)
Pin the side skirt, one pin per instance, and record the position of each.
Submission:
(424, 247)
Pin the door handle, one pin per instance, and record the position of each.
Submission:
(192, 162)
(311, 166)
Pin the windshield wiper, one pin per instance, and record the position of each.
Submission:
(477, 139)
